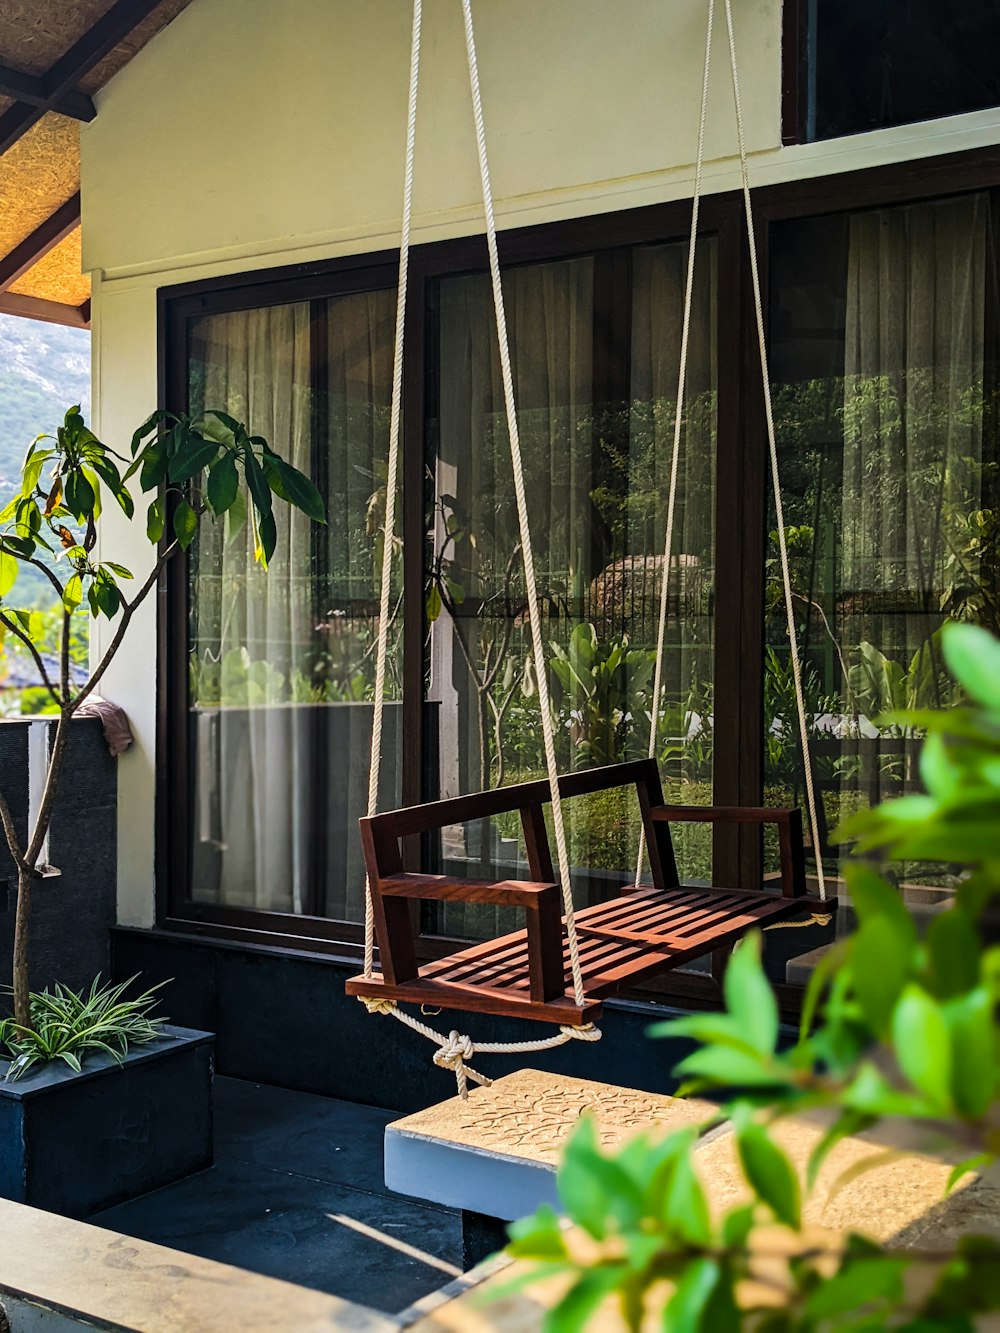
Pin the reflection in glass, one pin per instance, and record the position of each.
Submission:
(596, 399)
(885, 398)
(282, 664)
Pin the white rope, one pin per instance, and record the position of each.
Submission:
(678, 420)
(392, 469)
(562, 855)
(455, 1049)
(772, 444)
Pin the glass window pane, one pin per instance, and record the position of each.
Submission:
(875, 65)
(597, 469)
(282, 663)
(884, 376)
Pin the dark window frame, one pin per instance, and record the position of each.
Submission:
(741, 495)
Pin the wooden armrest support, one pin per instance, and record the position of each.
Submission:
(447, 888)
(543, 922)
(789, 822)
(722, 814)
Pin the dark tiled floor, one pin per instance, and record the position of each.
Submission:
(297, 1193)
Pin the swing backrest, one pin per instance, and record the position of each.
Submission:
(381, 835)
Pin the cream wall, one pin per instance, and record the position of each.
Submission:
(259, 132)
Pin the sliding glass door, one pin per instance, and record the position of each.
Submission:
(595, 343)
(884, 362)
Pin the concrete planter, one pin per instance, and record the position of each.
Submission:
(76, 1143)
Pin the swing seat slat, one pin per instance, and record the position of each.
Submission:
(526, 973)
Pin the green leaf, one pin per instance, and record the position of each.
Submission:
(970, 1023)
(289, 484)
(966, 1168)
(749, 997)
(573, 1313)
(769, 1171)
(192, 457)
(78, 494)
(860, 1283)
(154, 521)
(873, 897)
(73, 593)
(726, 1067)
(922, 1045)
(594, 1189)
(120, 570)
(185, 522)
(736, 1227)
(153, 466)
(688, 1307)
(880, 966)
(952, 953)
(973, 658)
(223, 483)
(685, 1207)
(537, 1237)
(8, 573)
(433, 605)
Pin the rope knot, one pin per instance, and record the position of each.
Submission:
(454, 1050)
(587, 1033)
(377, 1006)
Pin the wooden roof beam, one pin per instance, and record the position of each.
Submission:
(54, 229)
(50, 312)
(109, 30)
(31, 89)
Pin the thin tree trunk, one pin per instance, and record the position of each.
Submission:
(22, 1007)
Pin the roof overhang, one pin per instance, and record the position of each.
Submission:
(54, 58)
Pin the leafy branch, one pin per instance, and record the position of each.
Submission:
(208, 467)
(895, 1027)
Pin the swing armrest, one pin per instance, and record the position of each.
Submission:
(789, 822)
(447, 888)
(542, 920)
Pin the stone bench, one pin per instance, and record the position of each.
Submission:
(494, 1157)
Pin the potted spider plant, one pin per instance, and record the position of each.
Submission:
(91, 1077)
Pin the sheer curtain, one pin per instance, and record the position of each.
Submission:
(685, 746)
(474, 535)
(913, 441)
(657, 306)
(282, 662)
(250, 630)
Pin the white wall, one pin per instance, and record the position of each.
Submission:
(261, 132)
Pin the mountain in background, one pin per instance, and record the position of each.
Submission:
(44, 369)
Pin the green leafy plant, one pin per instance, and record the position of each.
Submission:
(192, 470)
(895, 1026)
(68, 1025)
(595, 687)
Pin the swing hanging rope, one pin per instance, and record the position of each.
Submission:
(456, 1049)
(800, 707)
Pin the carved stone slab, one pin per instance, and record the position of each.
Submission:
(497, 1152)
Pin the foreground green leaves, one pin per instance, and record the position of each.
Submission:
(894, 1025)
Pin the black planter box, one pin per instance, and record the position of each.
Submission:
(75, 1143)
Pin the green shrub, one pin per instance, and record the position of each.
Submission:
(68, 1025)
(894, 1026)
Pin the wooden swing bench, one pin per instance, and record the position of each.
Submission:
(525, 974)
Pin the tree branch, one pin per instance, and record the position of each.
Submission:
(10, 832)
(129, 609)
(19, 633)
